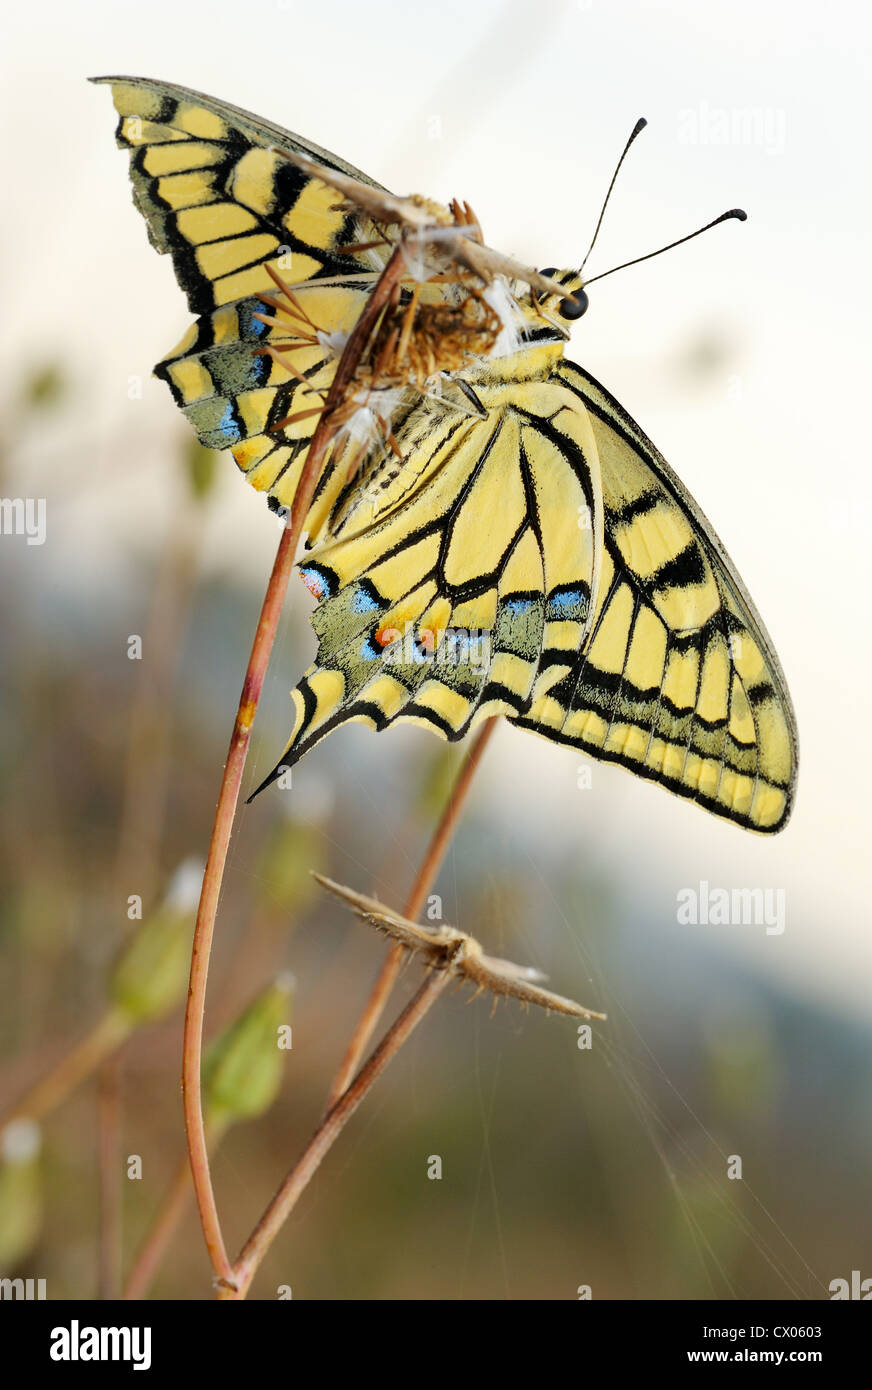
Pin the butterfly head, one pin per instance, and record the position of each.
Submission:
(570, 306)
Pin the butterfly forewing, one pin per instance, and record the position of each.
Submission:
(224, 205)
(678, 681)
(220, 201)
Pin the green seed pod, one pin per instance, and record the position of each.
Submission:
(21, 1202)
(242, 1069)
(151, 974)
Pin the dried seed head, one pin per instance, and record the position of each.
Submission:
(446, 948)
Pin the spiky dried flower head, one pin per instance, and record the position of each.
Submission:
(446, 948)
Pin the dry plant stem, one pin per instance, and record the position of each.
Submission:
(109, 1161)
(176, 1199)
(160, 1234)
(72, 1069)
(328, 1131)
(225, 812)
(419, 218)
(231, 782)
(424, 878)
(165, 1225)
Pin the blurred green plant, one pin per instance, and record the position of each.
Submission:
(435, 782)
(151, 973)
(147, 981)
(21, 1203)
(242, 1069)
(242, 1073)
(294, 850)
(201, 467)
(44, 386)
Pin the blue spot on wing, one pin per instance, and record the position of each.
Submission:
(228, 427)
(364, 602)
(570, 604)
(259, 370)
(319, 580)
(222, 435)
(251, 328)
(519, 606)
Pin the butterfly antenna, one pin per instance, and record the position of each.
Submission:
(637, 130)
(736, 213)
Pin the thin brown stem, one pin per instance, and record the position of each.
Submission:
(71, 1070)
(165, 1224)
(424, 879)
(225, 812)
(281, 1206)
(231, 782)
(109, 1164)
(160, 1233)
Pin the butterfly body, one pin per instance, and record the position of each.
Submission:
(506, 540)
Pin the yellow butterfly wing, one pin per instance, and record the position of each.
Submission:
(223, 205)
(607, 614)
(678, 680)
(457, 574)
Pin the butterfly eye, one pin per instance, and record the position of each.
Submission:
(574, 307)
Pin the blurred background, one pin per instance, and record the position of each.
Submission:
(745, 357)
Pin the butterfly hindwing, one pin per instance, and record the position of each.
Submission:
(236, 397)
(597, 604)
(470, 595)
(678, 680)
